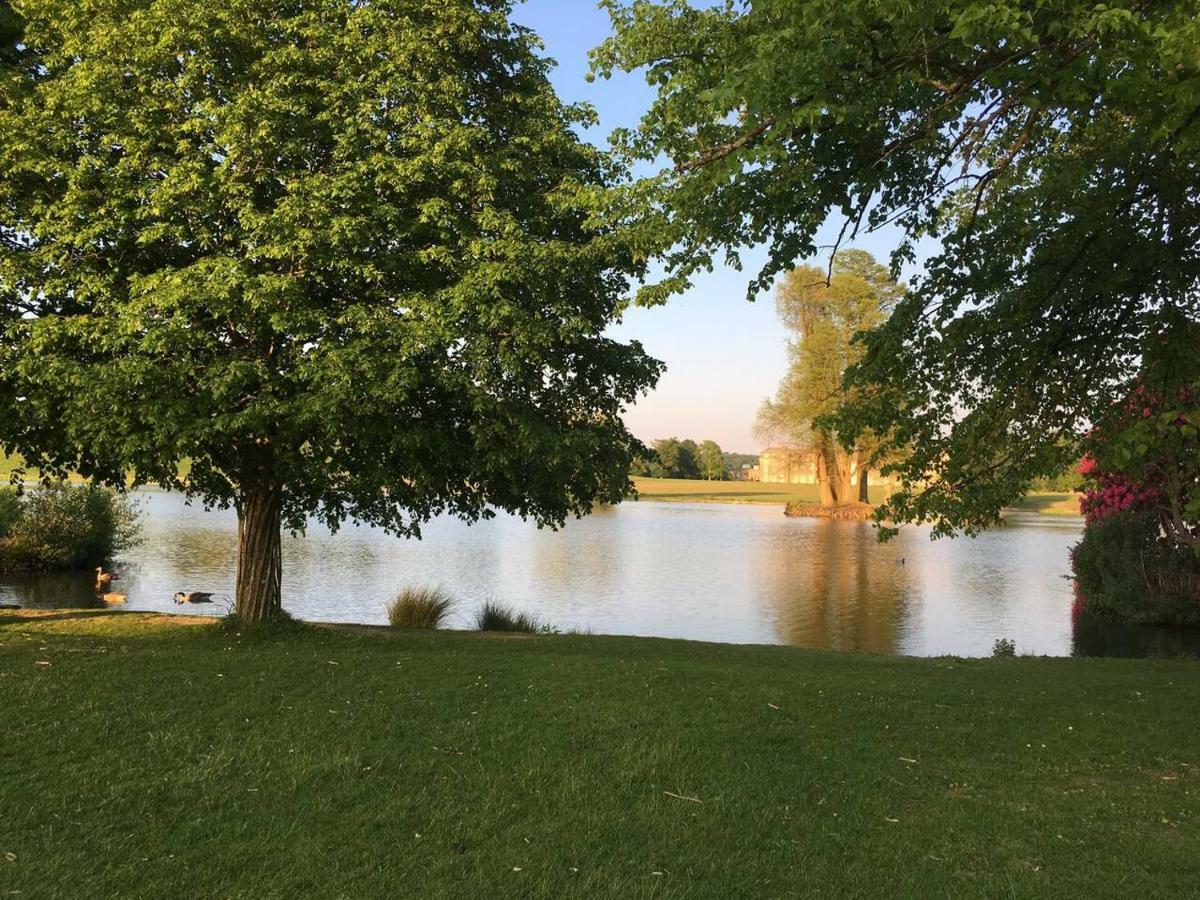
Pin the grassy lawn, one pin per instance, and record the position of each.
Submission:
(1048, 504)
(695, 490)
(147, 757)
(10, 463)
(7, 465)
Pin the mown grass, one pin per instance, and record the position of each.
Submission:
(684, 490)
(1049, 504)
(148, 758)
(9, 464)
(697, 490)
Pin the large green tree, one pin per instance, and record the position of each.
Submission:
(825, 312)
(337, 255)
(1051, 150)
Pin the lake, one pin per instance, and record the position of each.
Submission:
(712, 572)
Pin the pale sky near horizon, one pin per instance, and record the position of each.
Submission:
(724, 354)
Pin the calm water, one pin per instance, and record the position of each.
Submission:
(743, 574)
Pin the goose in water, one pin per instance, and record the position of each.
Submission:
(103, 579)
(193, 597)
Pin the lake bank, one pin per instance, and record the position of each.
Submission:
(450, 764)
(689, 490)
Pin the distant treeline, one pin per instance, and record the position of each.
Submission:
(673, 458)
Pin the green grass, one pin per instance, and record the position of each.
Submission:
(1049, 504)
(696, 490)
(684, 490)
(8, 464)
(150, 759)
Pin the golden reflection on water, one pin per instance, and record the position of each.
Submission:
(835, 588)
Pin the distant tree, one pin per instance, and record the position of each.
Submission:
(825, 313)
(739, 460)
(645, 465)
(340, 255)
(711, 461)
(689, 459)
(668, 456)
(674, 458)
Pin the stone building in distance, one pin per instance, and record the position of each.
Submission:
(791, 465)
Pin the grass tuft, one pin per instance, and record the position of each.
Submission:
(419, 608)
(498, 617)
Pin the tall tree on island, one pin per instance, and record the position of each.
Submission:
(825, 312)
(337, 255)
(1049, 152)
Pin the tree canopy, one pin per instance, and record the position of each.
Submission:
(338, 256)
(673, 458)
(1051, 149)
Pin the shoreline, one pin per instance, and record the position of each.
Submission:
(1061, 506)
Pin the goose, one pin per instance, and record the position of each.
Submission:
(103, 579)
(193, 597)
(112, 597)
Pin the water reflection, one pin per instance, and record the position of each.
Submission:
(1094, 636)
(75, 590)
(741, 574)
(831, 585)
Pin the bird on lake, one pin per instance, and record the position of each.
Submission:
(112, 597)
(103, 579)
(900, 561)
(193, 597)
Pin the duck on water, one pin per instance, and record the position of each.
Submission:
(193, 597)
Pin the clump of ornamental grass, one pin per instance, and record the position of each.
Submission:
(419, 608)
(494, 616)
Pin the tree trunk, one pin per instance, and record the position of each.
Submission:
(259, 559)
(864, 492)
(840, 476)
(823, 484)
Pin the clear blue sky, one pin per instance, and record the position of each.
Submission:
(724, 355)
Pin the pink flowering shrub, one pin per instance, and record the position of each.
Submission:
(1139, 559)
(1146, 456)
(1113, 492)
